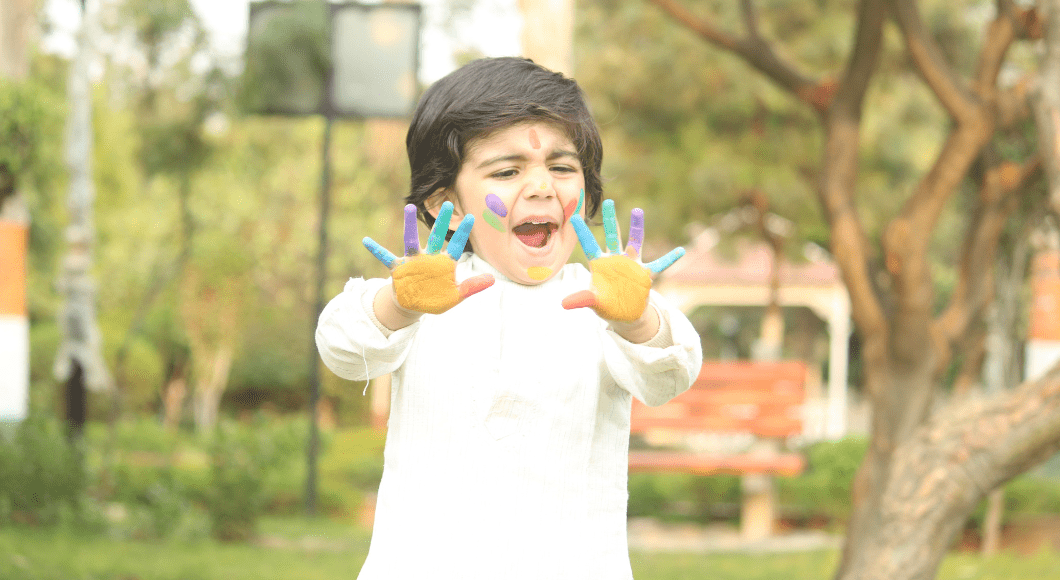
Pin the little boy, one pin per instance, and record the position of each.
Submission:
(513, 371)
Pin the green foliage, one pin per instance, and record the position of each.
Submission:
(287, 60)
(30, 116)
(241, 461)
(42, 477)
(823, 490)
(353, 464)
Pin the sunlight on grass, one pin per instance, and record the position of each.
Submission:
(322, 549)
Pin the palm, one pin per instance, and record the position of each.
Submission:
(620, 281)
(426, 282)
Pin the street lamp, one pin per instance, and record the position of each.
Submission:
(341, 61)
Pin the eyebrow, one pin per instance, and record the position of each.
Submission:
(556, 154)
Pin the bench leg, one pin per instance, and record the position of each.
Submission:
(758, 511)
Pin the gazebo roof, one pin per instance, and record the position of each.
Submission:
(705, 265)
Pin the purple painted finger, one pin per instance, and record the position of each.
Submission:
(412, 234)
(636, 229)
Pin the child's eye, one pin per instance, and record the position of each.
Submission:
(504, 173)
(564, 169)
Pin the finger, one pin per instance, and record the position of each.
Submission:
(441, 226)
(459, 239)
(666, 261)
(581, 299)
(636, 232)
(475, 285)
(380, 253)
(585, 237)
(611, 226)
(412, 235)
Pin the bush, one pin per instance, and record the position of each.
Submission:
(243, 460)
(42, 477)
(823, 490)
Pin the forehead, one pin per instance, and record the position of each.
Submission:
(517, 136)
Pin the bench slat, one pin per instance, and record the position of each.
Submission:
(789, 464)
(767, 426)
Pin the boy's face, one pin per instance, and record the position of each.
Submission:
(522, 184)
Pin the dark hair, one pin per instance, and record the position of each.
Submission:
(490, 94)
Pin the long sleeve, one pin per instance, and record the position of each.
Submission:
(662, 368)
(351, 342)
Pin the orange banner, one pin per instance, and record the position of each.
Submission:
(1045, 292)
(13, 243)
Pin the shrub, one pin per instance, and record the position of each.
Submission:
(823, 490)
(243, 459)
(42, 477)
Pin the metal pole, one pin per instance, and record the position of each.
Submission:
(314, 359)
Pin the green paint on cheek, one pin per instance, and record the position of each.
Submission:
(492, 220)
(581, 198)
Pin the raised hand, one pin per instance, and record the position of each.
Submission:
(426, 282)
(620, 281)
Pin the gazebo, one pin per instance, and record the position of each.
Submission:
(705, 276)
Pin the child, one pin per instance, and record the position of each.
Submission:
(508, 439)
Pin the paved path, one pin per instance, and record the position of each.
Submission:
(650, 535)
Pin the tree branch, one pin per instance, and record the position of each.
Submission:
(1000, 187)
(755, 51)
(928, 59)
(999, 36)
(1047, 99)
(838, 179)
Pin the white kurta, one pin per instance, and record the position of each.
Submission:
(507, 444)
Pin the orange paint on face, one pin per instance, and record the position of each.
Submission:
(535, 142)
(538, 272)
(570, 209)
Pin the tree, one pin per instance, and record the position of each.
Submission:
(168, 36)
(925, 470)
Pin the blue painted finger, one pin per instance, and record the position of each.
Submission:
(412, 235)
(666, 261)
(585, 237)
(611, 227)
(459, 239)
(382, 254)
(441, 227)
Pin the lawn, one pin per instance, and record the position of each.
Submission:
(298, 549)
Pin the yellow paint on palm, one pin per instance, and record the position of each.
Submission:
(621, 286)
(538, 272)
(426, 283)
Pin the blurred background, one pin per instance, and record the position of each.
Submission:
(159, 378)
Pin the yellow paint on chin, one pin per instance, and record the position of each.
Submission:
(538, 272)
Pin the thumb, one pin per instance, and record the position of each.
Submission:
(581, 299)
(474, 285)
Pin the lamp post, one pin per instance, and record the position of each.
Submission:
(372, 56)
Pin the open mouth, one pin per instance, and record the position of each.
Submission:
(535, 234)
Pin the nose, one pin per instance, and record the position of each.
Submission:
(539, 184)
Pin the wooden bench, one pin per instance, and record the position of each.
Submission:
(763, 399)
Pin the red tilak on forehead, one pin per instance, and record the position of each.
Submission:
(534, 141)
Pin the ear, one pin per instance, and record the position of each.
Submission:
(440, 196)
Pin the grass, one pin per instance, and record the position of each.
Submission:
(299, 549)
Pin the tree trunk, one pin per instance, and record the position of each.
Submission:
(944, 469)
(1047, 99)
(210, 384)
(16, 27)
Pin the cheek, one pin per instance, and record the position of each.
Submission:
(574, 204)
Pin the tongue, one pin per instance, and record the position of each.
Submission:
(534, 235)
